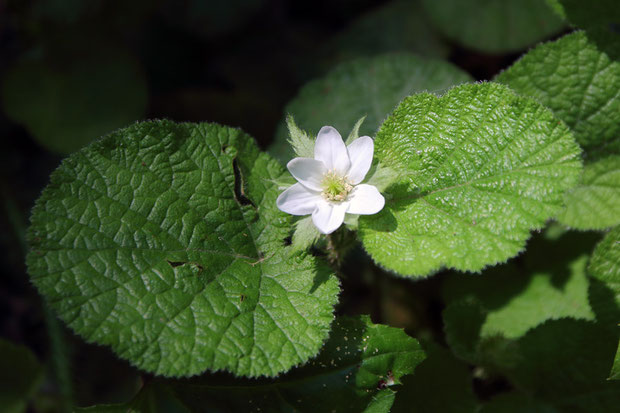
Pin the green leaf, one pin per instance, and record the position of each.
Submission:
(600, 18)
(20, 375)
(605, 267)
(579, 83)
(486, 313)
(494, 26)
(302, 144)
(563, 358)
(595, 203)
(367, 86)
(163, 241)
(382, 402)
(306, 234)
(605, 262)
(557, 8)
(396, 26)
(355, 132)
(602, 398)
(440, 383)
(615, 369)
(357, 357)
(65, 102)
(550, 284)
(482, 167)
(345, 376)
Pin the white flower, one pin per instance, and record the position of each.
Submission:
(329, 185)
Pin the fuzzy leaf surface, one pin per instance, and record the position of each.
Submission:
(494, 26)
(366, 86)
(163, 241)
(579, 83)
(595, 202)
(481, 167)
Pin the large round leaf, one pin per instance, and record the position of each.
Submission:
(163, 241)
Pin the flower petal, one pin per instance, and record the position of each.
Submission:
(330, 149)
(365, 200)
(360, 153)
(298, 200)
(309, 172)
(329, 215)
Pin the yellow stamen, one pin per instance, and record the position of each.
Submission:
(335, 187)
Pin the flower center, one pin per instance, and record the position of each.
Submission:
(335, 187)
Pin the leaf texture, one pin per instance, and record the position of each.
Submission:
(482, 167)
(163, 241)
(579, 83)
(595, 203)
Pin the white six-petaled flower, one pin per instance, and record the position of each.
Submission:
(329, 185)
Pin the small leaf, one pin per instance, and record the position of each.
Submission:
(305, 235)
(579, 83)
(482, 167)
(20, 374)
(615, 369)
(163, 241)
(302, 144)
(369, 87)
(381, 402)
(494, 26)
(595, 203)
(355, 132)
(381, 177)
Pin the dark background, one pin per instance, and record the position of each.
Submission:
(237, 63)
